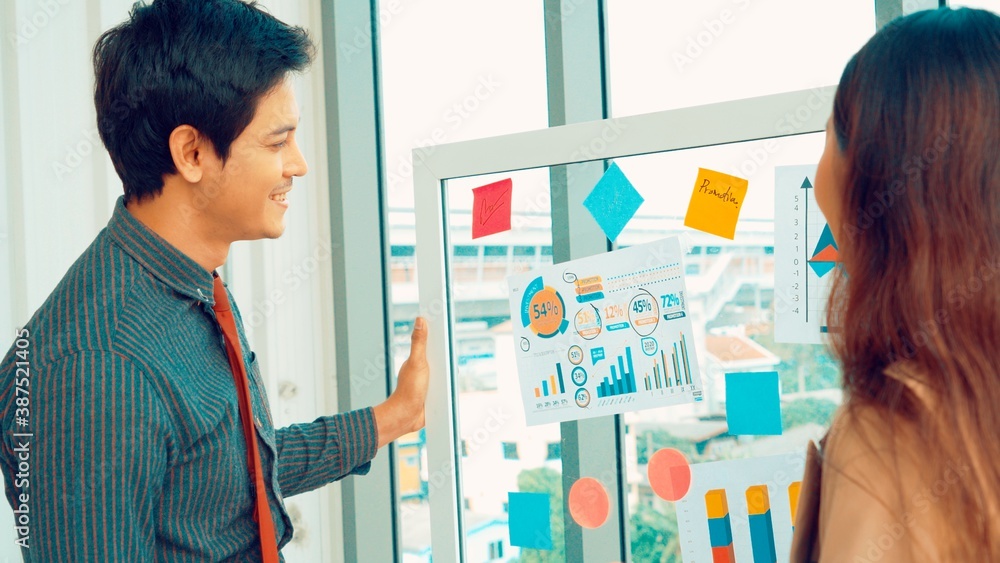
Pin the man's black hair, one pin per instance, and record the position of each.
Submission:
(203, 63)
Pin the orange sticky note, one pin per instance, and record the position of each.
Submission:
(716, 203)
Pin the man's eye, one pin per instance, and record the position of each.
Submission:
(282, 144)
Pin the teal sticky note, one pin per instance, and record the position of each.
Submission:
(753, 403)
(528, 515)
(613, 202)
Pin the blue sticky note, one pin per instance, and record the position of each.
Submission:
(528, 516)
(753, 404)
(613, 202)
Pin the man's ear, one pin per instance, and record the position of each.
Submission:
(189, 149)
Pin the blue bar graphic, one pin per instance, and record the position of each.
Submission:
(762, 538)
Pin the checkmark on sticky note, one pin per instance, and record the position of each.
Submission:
(716, 203)
(528, 515)
(491, 208)
(753, 403)
(613, 202)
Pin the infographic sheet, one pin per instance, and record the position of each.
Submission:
(741, 509)
(604, 335)
(806, 257)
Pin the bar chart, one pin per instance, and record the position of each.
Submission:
(659, 379)
(737, 511)
(720, 528)
(604, 368)
(551, 385)
(793, 500)
(621, 382)
(761, 528)
(672, 371)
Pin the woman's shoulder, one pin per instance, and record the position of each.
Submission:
(861, 432)
(872, 446)
(875, 495)
(860, 423)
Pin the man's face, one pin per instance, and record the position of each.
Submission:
(246, 197)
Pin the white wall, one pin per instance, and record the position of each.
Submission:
(57, 188)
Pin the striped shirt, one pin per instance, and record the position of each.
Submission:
(121, 429)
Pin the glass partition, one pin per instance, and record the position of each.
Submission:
(731, 300)
(498, 453)
(668, 55)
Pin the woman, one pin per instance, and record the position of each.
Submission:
(910, 184)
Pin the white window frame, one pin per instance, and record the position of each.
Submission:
(715, 124)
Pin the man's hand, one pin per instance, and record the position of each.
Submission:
(403, 411)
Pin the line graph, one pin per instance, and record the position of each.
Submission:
(806, 255)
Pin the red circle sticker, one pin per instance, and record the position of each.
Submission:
(588, 503)
(669, 474)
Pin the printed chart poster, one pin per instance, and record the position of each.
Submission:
(740, 510)
(604, 335)
(805, 258)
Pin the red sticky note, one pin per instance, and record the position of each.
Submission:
(491, 208)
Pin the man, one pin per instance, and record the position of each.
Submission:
(135, 422)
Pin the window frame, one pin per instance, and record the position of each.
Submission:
(721, 123)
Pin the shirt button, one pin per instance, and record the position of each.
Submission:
(257, 420)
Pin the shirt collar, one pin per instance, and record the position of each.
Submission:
(159, 257)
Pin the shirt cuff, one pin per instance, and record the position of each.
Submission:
(359, 431)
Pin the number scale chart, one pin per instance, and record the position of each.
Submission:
(604, 335)
(806, 257)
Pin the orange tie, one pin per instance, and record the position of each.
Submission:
(262, 511)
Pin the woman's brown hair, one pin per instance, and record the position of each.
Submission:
(917, 117)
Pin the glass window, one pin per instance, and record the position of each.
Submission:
(554, 451)
(510, 450)
(731, 300)
(993, 5)
(399, 251)
(504, 456)
(433, 45)
(496, 550)
(466, 251)
(451, 70)
(732, 289)
(667, 55)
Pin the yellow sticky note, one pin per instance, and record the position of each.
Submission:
(716, 203)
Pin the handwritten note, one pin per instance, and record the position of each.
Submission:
(716, 203)
(491, 208)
